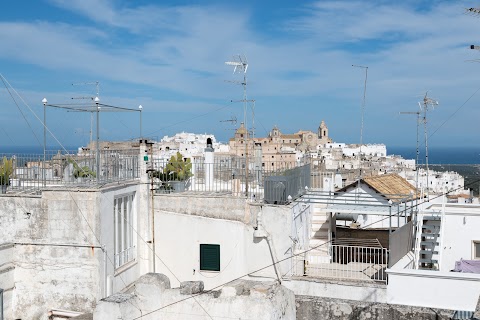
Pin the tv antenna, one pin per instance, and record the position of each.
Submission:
(418, 151)
(361, 125)
(424, 106)
(97, 89)
(472, 11)
(232, 120)
(240, 64)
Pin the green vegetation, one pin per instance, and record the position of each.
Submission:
(177, 169)
(6, 170)
(81, 172)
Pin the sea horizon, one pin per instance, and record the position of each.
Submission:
(439, 155)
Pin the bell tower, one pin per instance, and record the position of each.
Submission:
(323, 131)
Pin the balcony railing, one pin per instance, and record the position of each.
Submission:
(31, 173)
(345, 259)
(275, 182)
(125, 256)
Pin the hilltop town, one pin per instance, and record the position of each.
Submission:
(299, 211)
(275, 226)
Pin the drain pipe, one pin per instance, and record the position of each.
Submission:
(105, 257)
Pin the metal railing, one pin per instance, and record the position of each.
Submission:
(346, 259)
(125, 256)
(273, 182)
(31, 173)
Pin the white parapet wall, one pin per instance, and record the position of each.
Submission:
(336, 289)
(433, 289)
(250, 236)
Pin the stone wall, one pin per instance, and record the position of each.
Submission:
(55, 258)
(336, 309)
(152, 298)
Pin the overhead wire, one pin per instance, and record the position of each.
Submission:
(75, 202)
(190, 119)
(19, 109)
(422, 144)
(230, 281)
(416, 205)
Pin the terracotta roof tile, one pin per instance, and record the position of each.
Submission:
(392, 186)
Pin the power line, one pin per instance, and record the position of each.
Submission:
(453, 114)
(416, 205)
(190, 119)
(238, 278)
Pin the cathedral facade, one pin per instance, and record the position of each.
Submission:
(277, 147)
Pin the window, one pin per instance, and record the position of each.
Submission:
(476, 249)
(124, 222)
(210, 257)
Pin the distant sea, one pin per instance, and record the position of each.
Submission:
(33, 150)
(440, 155)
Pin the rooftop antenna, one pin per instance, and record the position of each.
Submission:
(474, 47)
(232, 120)
(472, 11)
(240, 64)
(97, 89)
(424, 106)
(418, 153)
(361, 126)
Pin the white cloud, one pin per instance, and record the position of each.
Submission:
(181, 50)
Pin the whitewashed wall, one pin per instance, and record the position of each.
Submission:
(180, 230)
(124, 276)
(433, 289)
(368, 210)
(58, 261)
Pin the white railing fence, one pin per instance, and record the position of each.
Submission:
(347, 260)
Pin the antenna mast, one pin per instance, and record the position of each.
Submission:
(232, 120)
(361, 126)
(240, 65)
(418, 152)
(97, 87)
(425, 105)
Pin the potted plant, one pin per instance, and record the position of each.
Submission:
(175, 174)
(81, 172)
(6, 170)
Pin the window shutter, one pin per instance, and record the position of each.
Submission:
(210, 257)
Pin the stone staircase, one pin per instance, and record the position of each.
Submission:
(319, 235)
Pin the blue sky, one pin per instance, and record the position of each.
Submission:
(169, 57)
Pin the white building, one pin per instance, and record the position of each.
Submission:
(190, 145)
(438, 182)
(454, 233)
(371, 150)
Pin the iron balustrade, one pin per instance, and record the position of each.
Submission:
(125, 256)
(63, 169)
(349, 261)
(273, 182)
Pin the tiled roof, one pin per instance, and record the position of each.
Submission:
(392, 186)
